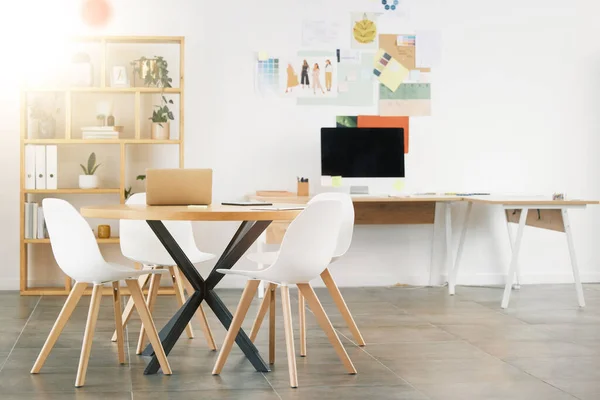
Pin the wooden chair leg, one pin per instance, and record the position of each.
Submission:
(317, 308)
(142, 280)
(272, 326)
(201, 315)
(236, 323)
(148, 323)
(118, 322)
(289, 334)
(335, 293)
(150, 300)
(262, 311)
(180, 296)
(302, 324)
(59, 325)
(88, 337)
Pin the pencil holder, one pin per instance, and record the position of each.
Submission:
(103, 231)
(302, 188)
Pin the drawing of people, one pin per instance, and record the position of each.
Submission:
(328, 75)
(292, 78)
(317, 79)
(304, 75)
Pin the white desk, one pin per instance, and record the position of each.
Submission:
(545, 214)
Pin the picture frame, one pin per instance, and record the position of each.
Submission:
(118, 77)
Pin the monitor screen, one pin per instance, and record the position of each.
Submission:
(362, 152)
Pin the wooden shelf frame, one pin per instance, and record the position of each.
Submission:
(68, 139)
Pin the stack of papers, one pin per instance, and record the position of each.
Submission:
(99, 132)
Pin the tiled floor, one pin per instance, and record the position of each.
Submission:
(421, 344)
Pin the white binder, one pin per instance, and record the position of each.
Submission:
(41, 224)
(51, 167)
(40, 167)
(29, 166)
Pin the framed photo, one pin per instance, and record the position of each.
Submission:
(119, 77)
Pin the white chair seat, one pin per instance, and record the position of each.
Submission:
(195, 256)
(266, 258)
(110, 272)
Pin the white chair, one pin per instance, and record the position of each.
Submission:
(306, 250)
(77, 253)
(140, 244)
(343, 244)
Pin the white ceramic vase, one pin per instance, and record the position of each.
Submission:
(88, 181)
(161, 132)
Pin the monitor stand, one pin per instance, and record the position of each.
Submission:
(357, 190)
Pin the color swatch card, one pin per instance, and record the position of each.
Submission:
(410, 100)
(389, 71)
(267, 75)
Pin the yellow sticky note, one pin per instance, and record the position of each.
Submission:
(336, 181)
(263, 56)
(399, 185)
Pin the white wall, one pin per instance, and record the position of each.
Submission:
(514, 110)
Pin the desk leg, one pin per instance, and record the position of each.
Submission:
(449, 256)
(512, 269)
(511, 239)
(578, 286)
(461, 244)
(432, 260)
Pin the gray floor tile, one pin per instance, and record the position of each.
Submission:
(422, 344)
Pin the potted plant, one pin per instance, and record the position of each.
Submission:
(89, 180)
(128, 191)
(160, 120)
(46, 121)
(154, 71)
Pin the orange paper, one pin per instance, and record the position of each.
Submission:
(376, 121)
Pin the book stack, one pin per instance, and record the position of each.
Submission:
(100, 132)
(35, 225)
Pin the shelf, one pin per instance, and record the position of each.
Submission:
(129, 39)
(72, 191)
(100, 141)
(105, 90)
(112, 240)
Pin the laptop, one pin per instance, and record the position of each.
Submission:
(178, 187)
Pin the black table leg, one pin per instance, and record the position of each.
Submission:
(244, 237)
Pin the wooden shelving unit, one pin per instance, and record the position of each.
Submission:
(68, 139)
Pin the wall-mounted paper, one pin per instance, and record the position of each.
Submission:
(317, 34)
(398, 185)
(389, 71)
(358, 93)
(364, 31)
(405, 40)
(429, 49)
(336, 181)
(263, 56)
(267, 76)
(345, 121)
(410, 99)
(351, 56)
(312, 74)
(326, 181)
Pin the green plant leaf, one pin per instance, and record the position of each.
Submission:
(94, 169)
(91, 163)
(170, 115)
(171, 102)
(84, 170)
(164, 99)
(140, 177)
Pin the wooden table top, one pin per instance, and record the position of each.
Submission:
(509, 200)
(187, 213)
(361, 199)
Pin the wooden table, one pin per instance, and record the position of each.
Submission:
(254, 222)
(546, 214)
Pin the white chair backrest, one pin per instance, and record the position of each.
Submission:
(347, 227)
(72, 240)
(308, 245)
(139, 243)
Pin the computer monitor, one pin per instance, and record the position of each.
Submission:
(362, 154)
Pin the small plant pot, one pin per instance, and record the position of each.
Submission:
(88, 181)
(161, 131)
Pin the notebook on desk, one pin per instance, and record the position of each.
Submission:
(178, 187)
